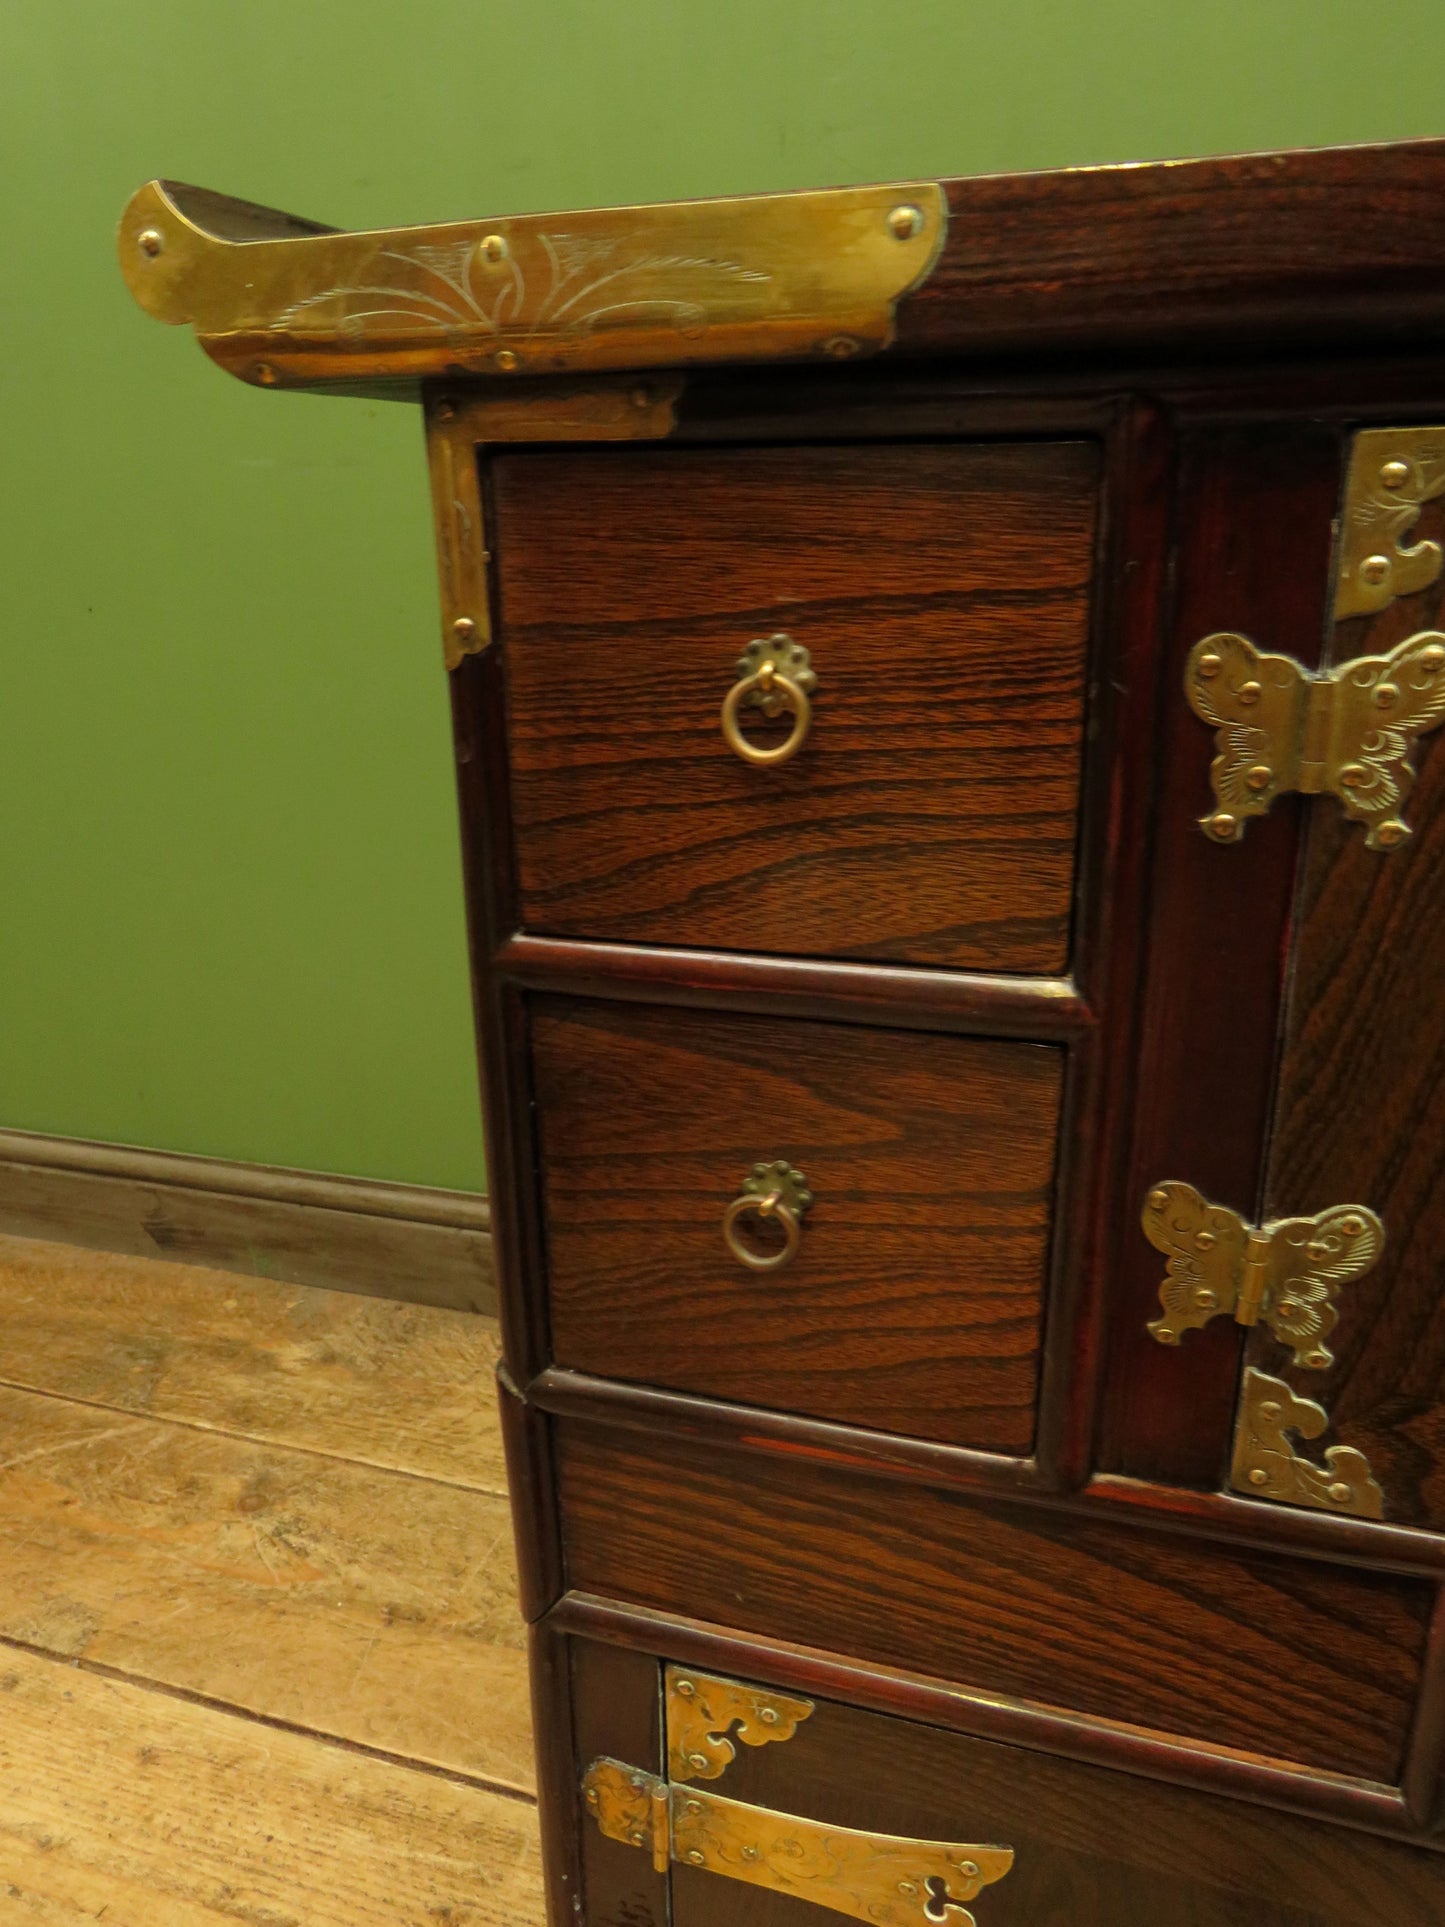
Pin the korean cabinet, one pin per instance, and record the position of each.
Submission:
(943, 681)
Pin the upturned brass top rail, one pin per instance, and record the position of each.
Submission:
(284, 302)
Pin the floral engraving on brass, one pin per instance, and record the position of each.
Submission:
(1347, 731)
(703, 1711)
(775, 1192)
(1266, 1465)
(1287, 1273)
(1393, 472)
(285, 302)
(774, 674)
(877, 1877)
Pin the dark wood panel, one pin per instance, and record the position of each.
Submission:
(1263, 1653)
(1361, 1108)
(1253, 526)
(943, 592)
(1092, 1848)
(1333, 244)
(915, 1302)
(616, 1715)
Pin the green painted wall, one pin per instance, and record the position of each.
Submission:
(230, 917)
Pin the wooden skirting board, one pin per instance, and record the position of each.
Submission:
(407, 1241)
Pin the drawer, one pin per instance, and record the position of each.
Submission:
(942, 592)
(1315, 1665)
(752, 1835)
(914, 1302)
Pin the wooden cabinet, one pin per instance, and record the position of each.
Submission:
(968, 1188)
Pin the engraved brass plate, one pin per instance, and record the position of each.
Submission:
(1348, 731)
(1393, 472)
(1266, 1465)
(1287, 1274)
(283, 302)
(702, 1713)
(884, 1878)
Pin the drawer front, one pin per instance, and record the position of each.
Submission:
(1313, 1665)
(942, 592)
(914, 1303)
(1024, 1840)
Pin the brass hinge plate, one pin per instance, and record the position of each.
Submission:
(1348, 731)
(1286, 1274)
(887, 1879)
(1267, 1466)
(1393, 472)
(286, 303)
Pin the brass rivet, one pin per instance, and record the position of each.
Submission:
(1205, 1299)
(641, 398)
(693, 1806)
(907, 1887)
(592, 1796)
(505, 360)
(1288, 1307)
(1432, 658)
(1352, 775)
(1375, 568)
(1386, 695)
(1389, 834)
(840, 347)
(1259, 777)
(968, 1869)
(1271, 1408)
(1249, 692)
(697, 1761)
(639, 1839)
(1318, 1361)
(697, 1856)
(492, 247)
(768, 1716)
(1259, 1476)
(750, 1853)
(446, 411)
(1317, 1252)
(1395, 474)
(1209, 664)
(904, 222)
(1158, 1200)
(1205, 1241)
(266, 374)
(151, 240)
(1339, 1492)
(1223, 824)
(685, 1687)
(1352, 1226)
(464, 629)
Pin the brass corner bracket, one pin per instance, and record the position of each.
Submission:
(1266, 1465)
(881, 1878)
(1286, 1274)
(283, 302)
(1393, 472)
(1347, 732)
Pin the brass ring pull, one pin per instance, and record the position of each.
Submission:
(770, 1191)
(774, 674)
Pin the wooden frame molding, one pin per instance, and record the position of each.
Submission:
(406, 1241)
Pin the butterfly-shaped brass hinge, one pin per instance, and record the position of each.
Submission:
(1348, 731)
(1286, 1274)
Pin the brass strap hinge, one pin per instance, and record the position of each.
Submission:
(1347, 731)
(1286, 1274)
(882, 1878)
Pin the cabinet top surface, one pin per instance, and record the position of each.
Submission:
(1316, 246)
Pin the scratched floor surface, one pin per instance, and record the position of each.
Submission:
(259, 1657)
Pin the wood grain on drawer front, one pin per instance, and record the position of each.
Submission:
(943, 591)
(915, 1302)
(1279, 1656)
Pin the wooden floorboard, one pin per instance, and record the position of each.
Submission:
(130, 1806)
(375, 1606)
(405, 1386)
(260, 1657)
